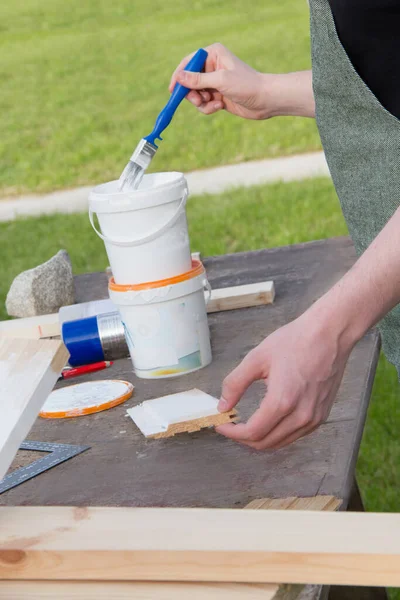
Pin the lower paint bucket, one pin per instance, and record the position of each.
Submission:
(166, 325)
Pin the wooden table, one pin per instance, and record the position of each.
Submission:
(205, 469)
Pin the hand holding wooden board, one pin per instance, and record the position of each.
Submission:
(178, 413)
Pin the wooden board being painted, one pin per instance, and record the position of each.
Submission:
(28, 371)
(177, 413)
(42, 326)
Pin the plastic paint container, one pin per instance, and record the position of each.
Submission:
(166, 324)
(144, 231)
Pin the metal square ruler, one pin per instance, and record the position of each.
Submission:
(57, 453)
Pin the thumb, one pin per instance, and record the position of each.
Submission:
(236, 383)
(200, 81)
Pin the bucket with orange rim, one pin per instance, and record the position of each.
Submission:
(165, 323)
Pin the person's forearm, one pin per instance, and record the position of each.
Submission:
(367, 292)
(290, 94)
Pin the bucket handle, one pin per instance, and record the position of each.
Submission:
(147, 238)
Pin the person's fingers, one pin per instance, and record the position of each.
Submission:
(195, 98)
(264, 420)
(201, 81)
(236, 383)
(205, 95)
(294, 437)
(209, 108)
(180, 67)
(233, 431)
(263, 445)
(296, 424)
(320, 417)
(214, 50)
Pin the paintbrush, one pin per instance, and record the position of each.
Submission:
(132, 174)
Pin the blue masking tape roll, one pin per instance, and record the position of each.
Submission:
(82, 339)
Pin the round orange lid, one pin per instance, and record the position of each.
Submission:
(197, 269)
(86, 398)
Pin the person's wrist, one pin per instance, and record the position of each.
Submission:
(288, 94)
(337, 318)
(269, 95)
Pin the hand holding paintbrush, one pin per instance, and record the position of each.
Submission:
(146, 149)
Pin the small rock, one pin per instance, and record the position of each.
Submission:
(42, 290)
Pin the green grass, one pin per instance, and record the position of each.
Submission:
(82, 82)
(249, 219)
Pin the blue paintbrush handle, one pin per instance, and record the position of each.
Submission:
(195, 65)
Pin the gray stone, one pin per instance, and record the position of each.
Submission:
(42, 290)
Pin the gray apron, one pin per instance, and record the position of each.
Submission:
(361, 140)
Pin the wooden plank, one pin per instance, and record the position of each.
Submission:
(243, 546)
(193, 425)
(126, 590)
(241, 296)
(28, 371)
(329, 503)
(284, 591)
(42, 326)
(85, 590)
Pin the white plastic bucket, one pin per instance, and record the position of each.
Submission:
(144, 231)
(166, 324)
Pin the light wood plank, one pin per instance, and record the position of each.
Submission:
(41, 326)
(28, 372)
(217, 545)
(85, 590)
(314, 503)
(123, 590)
(241, 296)
(283, 591)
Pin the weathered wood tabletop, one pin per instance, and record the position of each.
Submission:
(205, 469)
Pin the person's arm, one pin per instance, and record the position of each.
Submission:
(293, 94)
(230, 84)
(303, 362)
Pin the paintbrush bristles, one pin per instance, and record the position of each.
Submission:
(133, 173)
(131, 177)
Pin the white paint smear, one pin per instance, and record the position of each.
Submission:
(82, 396)
(155, 416)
